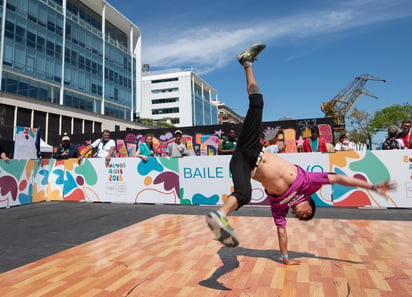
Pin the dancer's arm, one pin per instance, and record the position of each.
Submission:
(283, 247)
(344, 180)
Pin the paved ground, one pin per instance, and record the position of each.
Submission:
(34, 231)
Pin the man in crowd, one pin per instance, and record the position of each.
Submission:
(66, 150)
(104, 147)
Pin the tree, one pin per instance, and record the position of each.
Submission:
(392, 115)
(362, 131)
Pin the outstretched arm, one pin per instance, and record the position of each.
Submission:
(283, 247)
(344, 180)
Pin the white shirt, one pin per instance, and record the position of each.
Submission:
(344, 147)
(103, 148)
(273, 148)
(176, 150)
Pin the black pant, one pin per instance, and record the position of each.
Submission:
(247, 151)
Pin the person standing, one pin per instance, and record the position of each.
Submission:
(104, 147)
(391, 142)
(314, 143)
(406, 134)
(177, 149)
(66, 150)
(344, 144)
(228, 144)
(3, 155)
(146, 150)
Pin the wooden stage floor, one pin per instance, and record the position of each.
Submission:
(175, 255)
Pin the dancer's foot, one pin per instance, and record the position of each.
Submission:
(247, 57)
(221, 228)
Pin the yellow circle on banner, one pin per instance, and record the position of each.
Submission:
(147, 180)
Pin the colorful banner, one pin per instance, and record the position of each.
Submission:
(196, 180)
(27, 143)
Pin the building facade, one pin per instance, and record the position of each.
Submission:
(178, 97)
(80, 54)
(226, 114)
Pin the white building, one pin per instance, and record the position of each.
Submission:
(178, 97)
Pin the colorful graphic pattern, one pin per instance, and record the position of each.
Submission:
(161, 179)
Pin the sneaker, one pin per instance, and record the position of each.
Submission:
(247, 57)
(221, 228)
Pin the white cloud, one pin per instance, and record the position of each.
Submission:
(208, 48)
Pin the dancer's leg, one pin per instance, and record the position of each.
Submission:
(245, 156)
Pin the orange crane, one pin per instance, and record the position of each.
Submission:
(339, 106)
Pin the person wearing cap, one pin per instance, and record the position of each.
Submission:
(66, 150)
(177, 149)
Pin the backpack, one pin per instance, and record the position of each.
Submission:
(390, 144)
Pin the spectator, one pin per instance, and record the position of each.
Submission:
(104, 147)
(281, 146)
(276, 146)
(146, 150)
(66, 149)
(314, 143)
(344, 144)
(228, 144)
(3, 155)
(406, 135)
(391, 142)
(177, 149)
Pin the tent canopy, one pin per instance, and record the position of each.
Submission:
(44, 147)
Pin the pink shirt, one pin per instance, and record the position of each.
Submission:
(306, 184)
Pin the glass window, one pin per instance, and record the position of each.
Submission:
(8, 54)
(11, 4)
(81, 62)
(11, 85)
(31, 39)
(23, 88)
(42, 20)
(50, 48)
(9, 30)
(33, 92)
(33, 6)
(30, 64)
(19, 58)
(41, 42)
(49, 69)
(58, 51)
(43, 94)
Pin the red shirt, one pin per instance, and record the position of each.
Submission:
(321, 147)
(407, 139)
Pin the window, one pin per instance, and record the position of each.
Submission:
(155, 81)
(165, 110)
(50, 48)
(165, 100)
(158, 91)
(20, 34)
(9, 32)
(31, 39)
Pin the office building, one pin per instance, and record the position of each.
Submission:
(59, 56)
(226, 114)
(177, 96)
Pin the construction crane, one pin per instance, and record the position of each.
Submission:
(339, 106)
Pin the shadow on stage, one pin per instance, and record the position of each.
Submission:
(230, 262)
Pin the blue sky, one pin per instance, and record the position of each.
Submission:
(315, 48)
